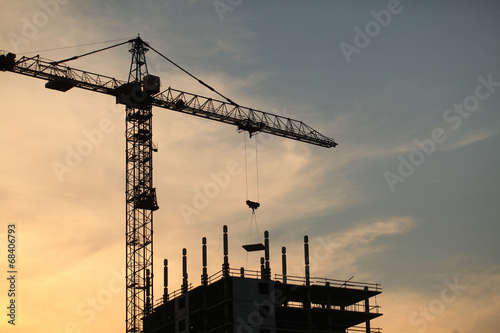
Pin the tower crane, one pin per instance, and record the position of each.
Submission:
(139, 94)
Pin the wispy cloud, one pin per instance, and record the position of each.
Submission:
(339, 253)
(470, 137)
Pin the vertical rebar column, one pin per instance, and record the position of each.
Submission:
(367, 310)
(306, 259)
(165, 281)
(184, 271)
(283, 263)
(262, 268)
(283, 269)
(307, 303)
(225, 265)
(267, 270)
(204, 276)
(140, 194)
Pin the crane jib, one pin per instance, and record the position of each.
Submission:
(147, 93)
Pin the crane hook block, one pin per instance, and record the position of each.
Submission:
(252, 204)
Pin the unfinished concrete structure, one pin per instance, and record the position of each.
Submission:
(235, 300)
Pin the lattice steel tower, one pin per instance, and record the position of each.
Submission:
(140, 194)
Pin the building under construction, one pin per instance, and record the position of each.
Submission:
(235, 300)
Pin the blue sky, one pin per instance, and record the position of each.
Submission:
(409, 198)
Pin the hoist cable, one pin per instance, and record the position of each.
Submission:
(88, 53)
(194, 77)
(249, 233)
(75, 46)
(250, 229)
(246, 167)
(257, 170)
(259, 236)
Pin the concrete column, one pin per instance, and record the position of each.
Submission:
(225, 266)
(204, 276)
(367, 310)
(184, 271)
(165, 280)
(283, 263)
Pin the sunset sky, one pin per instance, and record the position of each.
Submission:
(409, 199)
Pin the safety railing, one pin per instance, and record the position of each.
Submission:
(363, 329)
(291, 279)
(331, 282)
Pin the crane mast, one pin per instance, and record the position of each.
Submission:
(140, 195)
(139, 94)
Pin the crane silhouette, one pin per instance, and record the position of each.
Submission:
(139, 94)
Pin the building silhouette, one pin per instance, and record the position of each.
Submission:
(235, 300)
